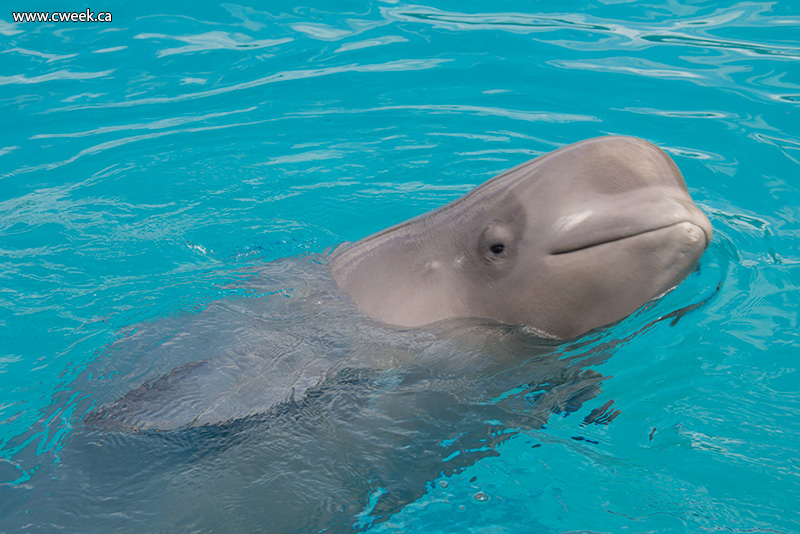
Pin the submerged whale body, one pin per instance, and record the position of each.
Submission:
(317, 413)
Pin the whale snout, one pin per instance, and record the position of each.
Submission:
(694, 234)
(629, 217)
(699, 228)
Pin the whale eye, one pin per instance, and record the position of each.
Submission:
(496, 243)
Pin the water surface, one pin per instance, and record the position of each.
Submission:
(150, 165)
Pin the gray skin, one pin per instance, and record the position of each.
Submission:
(565, 243)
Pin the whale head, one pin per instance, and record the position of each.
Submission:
(565, 243)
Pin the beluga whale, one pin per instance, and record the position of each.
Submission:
(568, 242)
(397, 359)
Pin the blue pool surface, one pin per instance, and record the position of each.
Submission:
(150, 165)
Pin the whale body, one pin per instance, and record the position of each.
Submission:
(563, 244)
(400, 358)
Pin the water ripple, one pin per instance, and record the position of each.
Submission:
(380, 41)
(9, 28)
(215, 40)
(391, 66)
(481, 111)
(48, 57)
(58, 75)
(155, 125)
(626, 65)
(628, 33)
(120, 142)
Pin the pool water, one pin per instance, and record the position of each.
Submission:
(147, 162)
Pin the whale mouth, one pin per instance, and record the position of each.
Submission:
(694, 229)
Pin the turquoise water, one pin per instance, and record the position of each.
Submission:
(147, 162)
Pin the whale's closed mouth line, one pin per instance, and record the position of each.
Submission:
(559, 252)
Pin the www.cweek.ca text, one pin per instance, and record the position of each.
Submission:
(61, 16)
